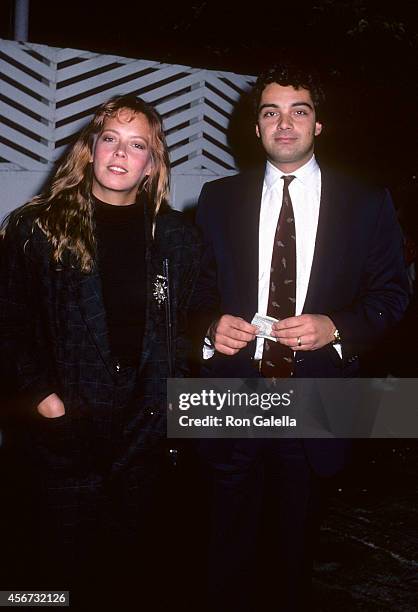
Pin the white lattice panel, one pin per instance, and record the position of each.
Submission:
(47, 94)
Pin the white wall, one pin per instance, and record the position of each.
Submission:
(50, 93)
(19, 186)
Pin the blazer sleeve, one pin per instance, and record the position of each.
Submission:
(382, 297)
(192, 248)
(24, 353)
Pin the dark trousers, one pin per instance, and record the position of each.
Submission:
(252, 573)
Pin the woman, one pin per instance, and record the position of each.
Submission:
(96, 275)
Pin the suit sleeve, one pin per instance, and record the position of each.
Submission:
(24, 355)
(383, 293)
(205, 302)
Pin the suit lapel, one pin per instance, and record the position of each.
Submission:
(243, 225)
(329, 244)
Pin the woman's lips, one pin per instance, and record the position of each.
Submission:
(117, 169)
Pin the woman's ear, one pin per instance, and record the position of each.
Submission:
(149, 168)
(92, 146)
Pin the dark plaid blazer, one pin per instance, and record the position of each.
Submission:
(53, 331)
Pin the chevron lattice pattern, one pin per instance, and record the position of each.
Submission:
(47, 95)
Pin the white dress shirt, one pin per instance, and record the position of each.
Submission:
(305, 193)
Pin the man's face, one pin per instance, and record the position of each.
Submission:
(121, 158)
(287, 126)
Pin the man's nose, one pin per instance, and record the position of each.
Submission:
(284, 121)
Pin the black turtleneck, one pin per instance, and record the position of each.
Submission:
(120, 239)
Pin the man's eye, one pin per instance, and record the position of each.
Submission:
(301, 113)
(270, 114)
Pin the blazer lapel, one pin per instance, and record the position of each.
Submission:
(151, 314)
(88, 288)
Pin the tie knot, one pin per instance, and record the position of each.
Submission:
(287, 179)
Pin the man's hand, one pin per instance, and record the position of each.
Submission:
(305, 332)
(230, 334)
(51, 407)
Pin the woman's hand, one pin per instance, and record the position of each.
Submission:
(51, 407)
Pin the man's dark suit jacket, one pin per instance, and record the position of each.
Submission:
(53, 331)
(357, 276)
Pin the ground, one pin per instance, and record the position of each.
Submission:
(368, 555)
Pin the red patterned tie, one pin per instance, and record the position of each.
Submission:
(278, 360)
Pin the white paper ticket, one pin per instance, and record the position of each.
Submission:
(264, 324)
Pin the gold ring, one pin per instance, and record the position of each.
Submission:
(299, 341)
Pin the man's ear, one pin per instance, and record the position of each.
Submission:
(257, 130)
(318, 128)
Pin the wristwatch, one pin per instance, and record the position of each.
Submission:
(208, 343)
(337, 337)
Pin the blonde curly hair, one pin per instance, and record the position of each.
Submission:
(64, 210)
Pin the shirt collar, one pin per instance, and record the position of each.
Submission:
(304, 174)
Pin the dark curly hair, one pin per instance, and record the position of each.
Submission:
(286, 74)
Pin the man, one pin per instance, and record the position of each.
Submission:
(322, 253)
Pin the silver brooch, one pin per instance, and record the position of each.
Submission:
(160, 289)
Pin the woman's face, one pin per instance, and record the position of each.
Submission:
(121, 158)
